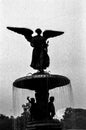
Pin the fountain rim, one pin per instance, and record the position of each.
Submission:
(35, 79)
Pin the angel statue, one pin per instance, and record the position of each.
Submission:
(39, 42)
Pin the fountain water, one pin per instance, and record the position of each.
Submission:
(63, 98)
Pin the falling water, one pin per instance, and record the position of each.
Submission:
(63, 97)
(20, 98)
(16, 101)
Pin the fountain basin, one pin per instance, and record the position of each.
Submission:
(38, 81)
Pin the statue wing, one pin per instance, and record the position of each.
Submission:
(50, 33)
(23, 31)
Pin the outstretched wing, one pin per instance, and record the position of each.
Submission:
(23, 31)
(50, 33)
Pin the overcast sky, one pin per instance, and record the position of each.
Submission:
(67, 52)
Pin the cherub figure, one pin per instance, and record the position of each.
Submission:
(40, 57)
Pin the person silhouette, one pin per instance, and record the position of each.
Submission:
(51, 108)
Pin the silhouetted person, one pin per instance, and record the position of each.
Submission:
(51, 108)
(40, 58)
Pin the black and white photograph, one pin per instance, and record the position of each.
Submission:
(42, 64)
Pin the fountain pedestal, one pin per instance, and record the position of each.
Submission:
(41, 83)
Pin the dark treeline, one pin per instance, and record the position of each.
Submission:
(72, 119)
(5, 122)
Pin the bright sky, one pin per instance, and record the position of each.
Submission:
(67, 52)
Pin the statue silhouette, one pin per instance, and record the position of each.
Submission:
(51, 108)
(40, 57)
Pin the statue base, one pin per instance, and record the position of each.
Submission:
(53, 124)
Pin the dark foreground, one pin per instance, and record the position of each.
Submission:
(73, 119)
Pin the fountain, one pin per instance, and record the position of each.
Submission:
(41, 82)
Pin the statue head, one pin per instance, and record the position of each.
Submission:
(38, 31)
(32, 100)
(51, 99)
